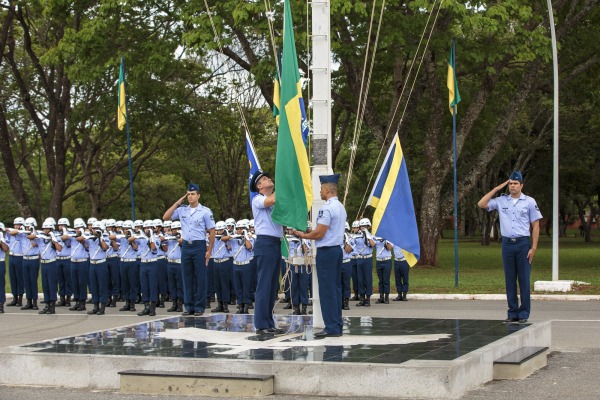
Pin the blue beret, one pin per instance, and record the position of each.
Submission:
(193, 187)
(255, 177)
(516, 176)
(329, 178)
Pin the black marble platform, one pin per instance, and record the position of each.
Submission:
(390, 340)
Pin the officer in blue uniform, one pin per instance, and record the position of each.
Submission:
(354, 235)
(80, 264)
(63, 266)
(113, 264)
(97, 246)
(383, 254)
(329, 238)
(16, 238)
(517, 212)
(31, 266)
(364, 245)
(401, 269)
(267, 251)
(174, 275)
(163, 284)
(148, 249)
(128, 268)
(347, 258)
(299, 276)
(195, 220)
(241, 250)
(49, 244)
(3, 250)
(223, 266)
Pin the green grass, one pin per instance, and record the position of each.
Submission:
(480, 267)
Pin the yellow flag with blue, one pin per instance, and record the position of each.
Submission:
(293, 182)
(394, 217)
(122, 106)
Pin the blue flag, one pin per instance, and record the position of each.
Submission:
(254, 164)
(394, 217)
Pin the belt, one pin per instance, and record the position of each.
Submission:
(362, 257)
(149, 260)
(31, 257)
(113, 256)
(220, 260)
(48, 261)
(384, 258)
(400, 259)
(190, 242)
(515, 240)
(161, 257)
(63, 258)
(2, 259)
(174, 260)
(97, 261)
(128, 259)
(346, 260)
(78, 260)
(241, 262)
(16, 254)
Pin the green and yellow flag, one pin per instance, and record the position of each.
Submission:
(122, 106)
(292, 172)
(453, 94)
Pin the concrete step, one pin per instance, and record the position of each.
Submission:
(196, 384)
(520, 363)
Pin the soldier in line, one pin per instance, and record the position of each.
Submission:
(223, 267)
(63, 266)
(3, 250)
(241, 250)
(174, 275)
(347, 266)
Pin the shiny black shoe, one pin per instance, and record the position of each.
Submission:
(198, 313)
(522, 320)
(324, 334)
(510, 320)
(187, 313)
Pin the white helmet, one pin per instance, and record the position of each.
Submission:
(48, 223)
(19, 221)
(364, 222)
(219, 226)
(175, 225)
(111, 222)
(138, 222)
(157, 222)
(167, 224)
(78, 223)
(31, 222)
(347, 226)
(128, 224)
(147, 223)
(356, 224)
(241, 224)
(251, 223)
(98, 225)
(64, 221)
(50, 219)
(230, 222)
(119, 224)
(2, 227)
(91, 221)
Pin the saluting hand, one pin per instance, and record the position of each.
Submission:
(501, 186)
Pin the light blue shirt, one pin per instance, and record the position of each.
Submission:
(398, 253)
(350, 241)
(144, 249)
(194, 225)
(220, 250)
(362, 245)
(16, 243)
(515, 218)
(31, 248)
(78, 250)
(126, 250)
(47, 249)
(382, 251)
(239, 251)
(263, 223)
(95, 250)
(333, 215)
(173, 249)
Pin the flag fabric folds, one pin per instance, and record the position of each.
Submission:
(293, 183)
(453, 94)
(394, 217)
(254, 164)
(122, 106)
(276, 98)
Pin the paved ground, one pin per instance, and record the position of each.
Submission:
(571, 372)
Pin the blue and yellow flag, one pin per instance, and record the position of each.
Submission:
(394, 217)
(293, 183)
(254, 164)
(453, 94)
(122, 106)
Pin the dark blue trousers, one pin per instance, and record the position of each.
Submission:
(329, 273)
(254, 279)
(354, 264)
(149, 281)
(242, 279)
(31, 270)
(401, 269)
(63, 277)
(99, 282)
(175, 279)
(223, 279)
(364, 267)
(193, 266)
(114, 276)
(49, 281)
(384, 271)
(80, 273)
(130, 279)
(517, 269)
(267, 252)
(15, 275)
(346, 277)
(299, 284)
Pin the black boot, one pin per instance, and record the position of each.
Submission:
(225, 308)
(345, 305)
(361, 301)
(67, 301)
(61, 302)
(45, 309)
(303, 311)
(109, 301)
(102, 309)
(139, 299)
(81, 306)
(27, 306)
(52, 308)
(386, 299)
(34, 305)
(95, 309)
(132, 306)
(233, 300)
(1, 308)
(173, 308)
(240, 309)
(218, 308)
(404, 296)
(398, 298)
(13, 302)
(20, 300)
(179, 305)
(212, 298)
(152, 310)
(126, 306)
(244, 308)
(356, 297)
(380, 299)
(367, 302)
(288, 306)
(161, 301)
(296, 310)
(113, 303)
(145, 311)
(88, 301)
(75, 306)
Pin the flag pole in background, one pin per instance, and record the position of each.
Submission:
(123, 122)
(453, 100)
